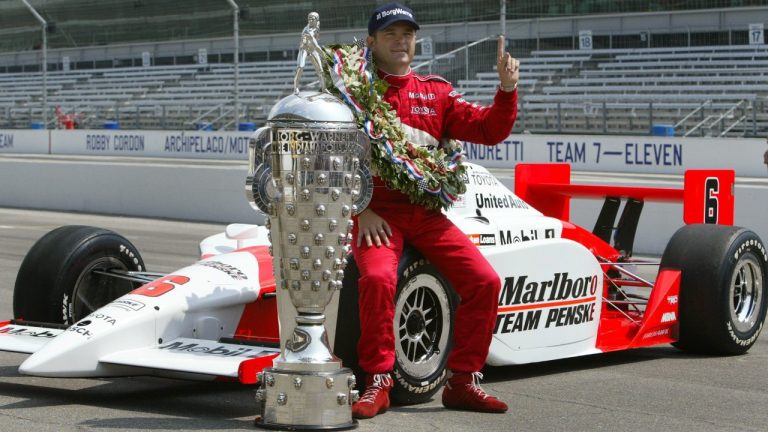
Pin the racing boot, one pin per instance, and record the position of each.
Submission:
(462, 392)
(375, 399)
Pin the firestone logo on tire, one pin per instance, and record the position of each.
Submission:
(750, 244)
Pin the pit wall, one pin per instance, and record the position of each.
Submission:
(203, 176)
(601, 153)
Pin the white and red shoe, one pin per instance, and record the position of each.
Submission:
(375, 399)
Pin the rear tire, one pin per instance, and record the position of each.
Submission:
(56, 283)
(425, 306)
(723, 293)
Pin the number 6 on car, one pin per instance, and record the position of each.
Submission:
(160, 286)
(708, 197)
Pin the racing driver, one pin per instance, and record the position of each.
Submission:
(430, 111)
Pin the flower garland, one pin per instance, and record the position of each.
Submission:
(431, 179)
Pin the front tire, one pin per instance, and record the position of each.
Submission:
(723, 296)
(56, 282)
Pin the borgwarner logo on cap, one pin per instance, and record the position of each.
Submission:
(389, 14)
(396, 11)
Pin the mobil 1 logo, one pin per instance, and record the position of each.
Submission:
(517, 236)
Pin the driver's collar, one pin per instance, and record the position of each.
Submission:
(396, 80)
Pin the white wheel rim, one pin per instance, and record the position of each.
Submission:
(745, 294)
(422, 326)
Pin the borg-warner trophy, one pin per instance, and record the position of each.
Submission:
(308, 171)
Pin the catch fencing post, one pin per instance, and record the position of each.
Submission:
(45, 60)
(236, 31)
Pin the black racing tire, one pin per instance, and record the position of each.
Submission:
(723, 292)
(425, 306)
(56, 283)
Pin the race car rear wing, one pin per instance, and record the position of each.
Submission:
(707, 197)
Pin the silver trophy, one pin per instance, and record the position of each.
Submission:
(308, 171)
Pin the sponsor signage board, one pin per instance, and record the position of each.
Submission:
(24, 141)
(600, 153)
(629, 154)
(174, 144)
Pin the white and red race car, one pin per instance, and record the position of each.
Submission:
(85, 306)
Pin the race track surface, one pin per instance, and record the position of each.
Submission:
(655, 389)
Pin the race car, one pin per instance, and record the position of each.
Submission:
(85, 305)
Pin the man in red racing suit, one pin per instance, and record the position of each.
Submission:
(430, 110)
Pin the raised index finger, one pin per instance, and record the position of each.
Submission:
(500, 48)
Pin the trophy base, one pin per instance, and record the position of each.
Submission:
(306, 400)
(261, 424)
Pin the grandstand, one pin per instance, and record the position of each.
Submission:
(640, 71)
(159, 97)
(707, 90)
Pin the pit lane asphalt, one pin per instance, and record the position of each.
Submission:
(657, 388)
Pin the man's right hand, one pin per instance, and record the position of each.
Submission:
(507, 66)
(372, 228)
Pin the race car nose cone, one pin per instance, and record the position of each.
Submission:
(39, 365)
(48, 363)
(77, 351)
(68, 361)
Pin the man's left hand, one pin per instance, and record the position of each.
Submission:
(508, 66)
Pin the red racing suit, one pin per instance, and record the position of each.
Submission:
(431, 110)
